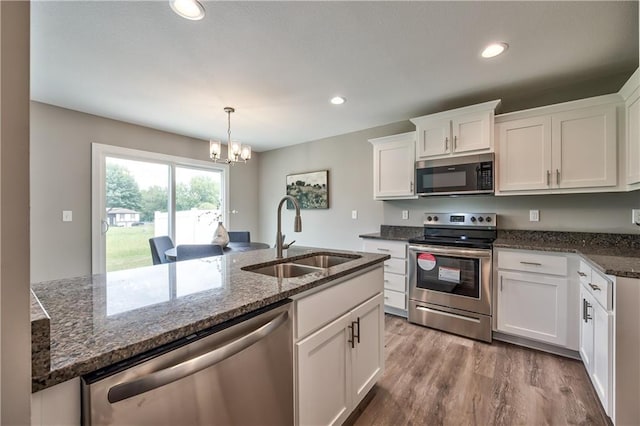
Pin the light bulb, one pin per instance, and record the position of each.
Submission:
(245, 153)
(214, 149)
(188, 9)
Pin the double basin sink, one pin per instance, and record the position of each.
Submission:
(298, 266)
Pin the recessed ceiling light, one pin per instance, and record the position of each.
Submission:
(494, 49)
(189, 9)
(338, 100)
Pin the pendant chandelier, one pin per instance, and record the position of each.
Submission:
(236, 151)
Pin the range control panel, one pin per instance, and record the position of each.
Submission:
(460, 219)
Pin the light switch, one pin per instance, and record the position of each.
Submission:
(405, 214)
(534, 215)
(67, 215)
(354, 214)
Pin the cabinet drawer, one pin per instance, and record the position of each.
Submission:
(392, 248)
(395, 266)
(600, 289)
(533, 262)
(584, 272)
(318, 309)
(395, 282)
(395, 299)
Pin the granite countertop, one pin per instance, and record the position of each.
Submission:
(99, 320)
(613, 254)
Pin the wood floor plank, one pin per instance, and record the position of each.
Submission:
(435, 378)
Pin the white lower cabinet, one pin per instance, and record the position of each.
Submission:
(57, 405)
(395, 273)
(597, 337)
(533, 306)
(324, 385)
(338, 364)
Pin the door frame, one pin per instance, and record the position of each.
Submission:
(98, 197)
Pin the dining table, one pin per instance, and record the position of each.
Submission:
(232, 247)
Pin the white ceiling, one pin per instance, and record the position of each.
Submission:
(278, 63)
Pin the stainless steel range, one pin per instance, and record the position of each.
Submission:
(450, 273)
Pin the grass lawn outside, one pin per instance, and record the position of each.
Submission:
(129, 247)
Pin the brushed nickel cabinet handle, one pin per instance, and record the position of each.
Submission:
(351, 336)
(531, 263)
(446, 143)
(582, 274)
(594, 287)
(356, 336)
(584, 310)
(411, 186)
(501, 283)
(548, 177)
(557, 177)
(455, 142)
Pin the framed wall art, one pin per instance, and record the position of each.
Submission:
(311, 189)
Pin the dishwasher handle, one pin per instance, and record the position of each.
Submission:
(168, 375)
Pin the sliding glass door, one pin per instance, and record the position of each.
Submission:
(138, 195)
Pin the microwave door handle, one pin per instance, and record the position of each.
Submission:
(191, 366)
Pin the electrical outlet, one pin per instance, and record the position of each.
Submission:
(635, 216)
(405, 214)
(67, 215)
(534, 215)
(354, 214)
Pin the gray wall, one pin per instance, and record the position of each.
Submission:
(349, 161)
(61, 180)
(15, 331)
(605, 212)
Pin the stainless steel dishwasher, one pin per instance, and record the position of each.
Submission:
(235, 374)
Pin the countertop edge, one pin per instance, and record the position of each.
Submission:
(53, 377)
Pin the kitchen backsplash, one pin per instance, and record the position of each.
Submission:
(599, 212)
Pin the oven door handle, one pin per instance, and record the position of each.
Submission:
(453, 251)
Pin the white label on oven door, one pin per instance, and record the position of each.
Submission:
(426, 261)
(449, 274)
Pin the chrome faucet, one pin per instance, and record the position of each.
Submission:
(297, 225)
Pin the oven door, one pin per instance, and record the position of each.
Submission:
(454, 277)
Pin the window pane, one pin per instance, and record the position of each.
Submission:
(198, 206)
(137, 199)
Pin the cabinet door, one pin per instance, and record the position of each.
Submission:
(368, 351)
(533, 306)
(584, 148)
(601, 370)
(393, 169)
(472, 132)
(324, 375)
(586, 329)
(633, 141)
(524, 154)
(434, 138)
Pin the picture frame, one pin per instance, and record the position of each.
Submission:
(311, 189)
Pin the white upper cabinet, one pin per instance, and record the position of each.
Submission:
(524, 154)
(563, 148)
(584, 148)
(394, 167)
(631, 94)
(458, 131)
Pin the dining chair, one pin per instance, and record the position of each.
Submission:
(158, 246)
(196, 251)
(239, 236)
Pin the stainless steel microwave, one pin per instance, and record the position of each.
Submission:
(471, 174)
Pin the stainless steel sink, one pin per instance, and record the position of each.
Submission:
(283, 270)
(323, 260)
(290, 268)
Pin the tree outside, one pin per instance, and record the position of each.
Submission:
(128, 187)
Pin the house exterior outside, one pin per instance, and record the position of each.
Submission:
(122, 217)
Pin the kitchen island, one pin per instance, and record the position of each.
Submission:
(101, 320)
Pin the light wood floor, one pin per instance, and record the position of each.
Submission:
(435, 378)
